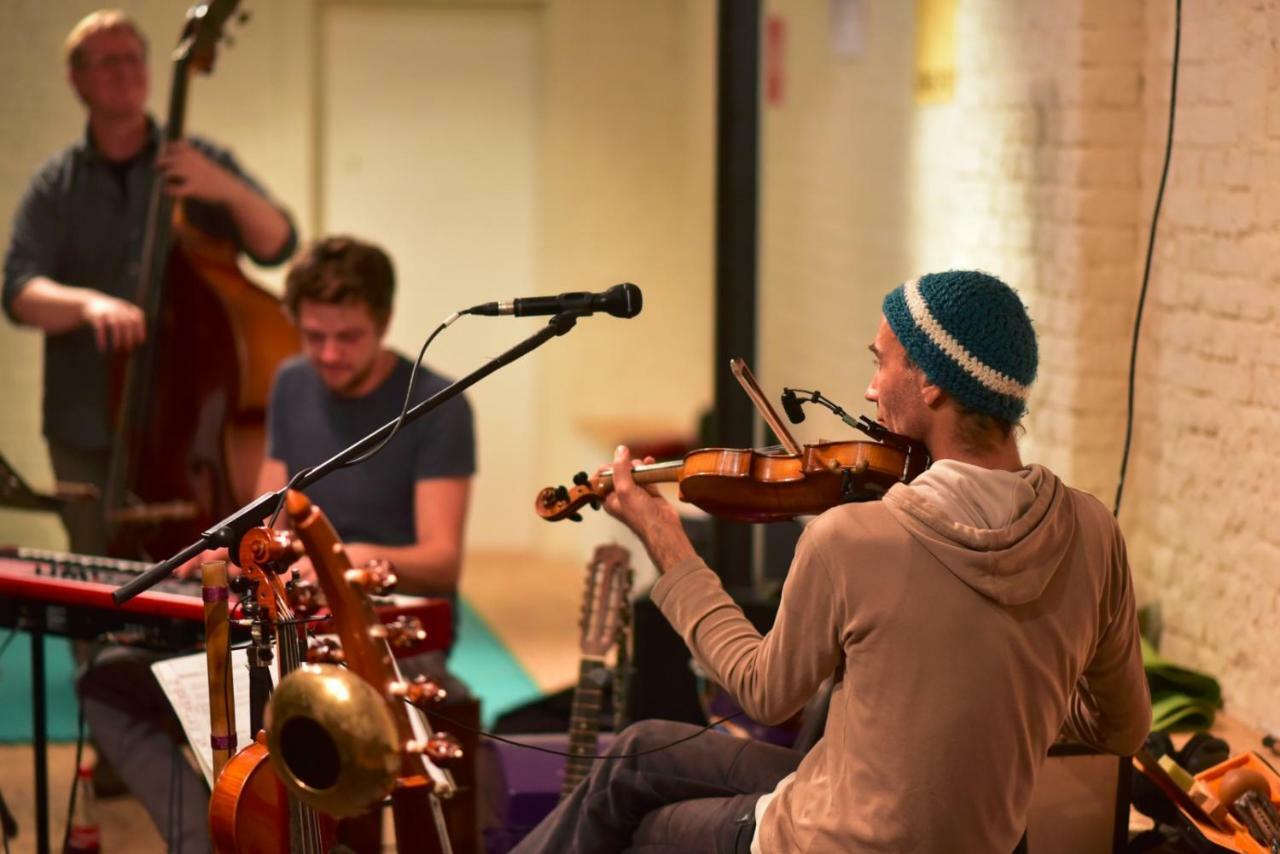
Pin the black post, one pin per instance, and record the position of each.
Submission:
(737, 192)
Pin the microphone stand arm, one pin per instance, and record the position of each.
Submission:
(229, 531)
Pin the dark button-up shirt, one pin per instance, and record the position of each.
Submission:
(81, 223)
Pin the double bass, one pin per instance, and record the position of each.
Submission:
(191, 401)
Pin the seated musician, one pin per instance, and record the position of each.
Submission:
(73, 258)
(408, 504)
(968, 619)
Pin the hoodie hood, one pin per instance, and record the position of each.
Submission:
(1004, 534)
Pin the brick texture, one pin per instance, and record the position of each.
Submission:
(1043, 169)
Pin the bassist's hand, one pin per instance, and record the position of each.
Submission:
(189, 173)
(117, 324)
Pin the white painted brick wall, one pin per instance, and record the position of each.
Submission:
(1043, 170)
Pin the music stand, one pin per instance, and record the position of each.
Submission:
(18, 494)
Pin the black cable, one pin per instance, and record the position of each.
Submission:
(1151, 242)
(404, 410)
(495, 737)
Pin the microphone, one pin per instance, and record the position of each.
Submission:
(624, 300)
(792, 405)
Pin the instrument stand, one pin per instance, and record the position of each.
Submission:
(259, 674)
(228, 532)
(17, 494)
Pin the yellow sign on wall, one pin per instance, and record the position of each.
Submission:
(935, 51)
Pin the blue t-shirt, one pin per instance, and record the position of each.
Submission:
(372, 502)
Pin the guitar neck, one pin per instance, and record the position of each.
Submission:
(584, 721)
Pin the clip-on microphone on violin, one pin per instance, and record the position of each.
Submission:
(794, 398)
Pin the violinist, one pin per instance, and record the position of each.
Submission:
(968, 619)
(74, 253)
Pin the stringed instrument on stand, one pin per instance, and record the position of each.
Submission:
(343, 738)
(250, 811)
(190, 402)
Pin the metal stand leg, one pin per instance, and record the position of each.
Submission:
(40, 740)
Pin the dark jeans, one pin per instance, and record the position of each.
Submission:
(135, 728)
(698, 796)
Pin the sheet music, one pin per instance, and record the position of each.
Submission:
(185, 681)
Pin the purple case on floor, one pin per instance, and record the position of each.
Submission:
(520, 787)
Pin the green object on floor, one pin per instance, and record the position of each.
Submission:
(479, 658)
(1181, 699)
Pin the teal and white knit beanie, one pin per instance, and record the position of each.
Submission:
(970, 334)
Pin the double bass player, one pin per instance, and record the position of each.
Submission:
(71, 267)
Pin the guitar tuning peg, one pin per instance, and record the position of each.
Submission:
(441, 748)
(420, 691)
(581, 479)
(325, 651)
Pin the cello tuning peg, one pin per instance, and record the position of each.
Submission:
(581, 479)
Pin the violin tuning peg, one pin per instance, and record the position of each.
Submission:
(595, 503)
(244, 16)
(562, 494)
(581, 479)
(576, 517)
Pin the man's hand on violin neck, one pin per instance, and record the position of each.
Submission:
(650, 516)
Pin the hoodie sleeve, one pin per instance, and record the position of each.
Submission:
(1110, 708)
(774, 675)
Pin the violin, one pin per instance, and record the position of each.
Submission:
(762, 485)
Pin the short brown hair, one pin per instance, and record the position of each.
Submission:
(94, 23)
(342, 269)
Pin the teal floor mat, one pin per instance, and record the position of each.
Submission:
(15, 689)
(479, 658)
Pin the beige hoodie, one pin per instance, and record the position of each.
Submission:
(965, 630)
